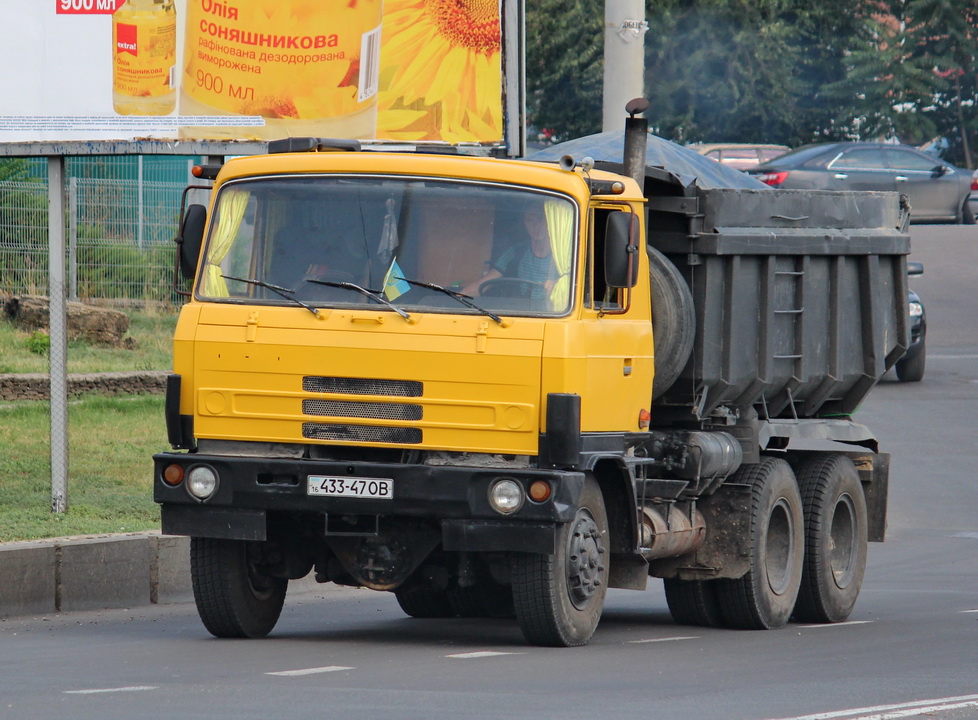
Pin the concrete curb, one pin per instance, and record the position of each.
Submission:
(93, 573)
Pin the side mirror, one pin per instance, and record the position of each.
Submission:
(621, 250)
(190, 239)
(941, 170)
(915, 268)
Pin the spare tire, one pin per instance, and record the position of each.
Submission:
(673, 321)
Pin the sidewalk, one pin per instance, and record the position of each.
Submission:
(93, 573)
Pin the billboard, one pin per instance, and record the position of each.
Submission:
(399, 70)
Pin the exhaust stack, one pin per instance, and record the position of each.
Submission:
(636, 139)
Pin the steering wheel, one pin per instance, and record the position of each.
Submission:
(509, 287)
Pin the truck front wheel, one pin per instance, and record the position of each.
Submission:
(559, 598)
(764, 598)
(234, 598)
(835, 538)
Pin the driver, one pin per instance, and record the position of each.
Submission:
(529, 261)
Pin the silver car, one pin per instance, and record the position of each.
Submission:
(938, 191)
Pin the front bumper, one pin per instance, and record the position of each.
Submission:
(251, 490)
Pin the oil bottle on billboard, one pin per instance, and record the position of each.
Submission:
(144, 47)
(308, 67)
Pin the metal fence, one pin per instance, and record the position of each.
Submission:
(120, 238)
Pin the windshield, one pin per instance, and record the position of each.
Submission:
(417, 244)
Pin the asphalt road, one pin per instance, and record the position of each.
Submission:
(909, 650)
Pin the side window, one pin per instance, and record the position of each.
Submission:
(903, 160)
(860, 159)
(597, 295)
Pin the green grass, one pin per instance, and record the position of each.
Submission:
(111, 443)
(111, 439)
(152, 332)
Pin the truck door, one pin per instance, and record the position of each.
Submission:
(617, 338)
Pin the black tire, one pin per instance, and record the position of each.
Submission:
(559, 598)
(835, 539)
(967, 214)
(764, 598)
(234, 599)
(912, 369)
(673, 321)
(424, 600)
(693, 602)
(485, 599)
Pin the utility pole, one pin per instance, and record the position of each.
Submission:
(624, 58)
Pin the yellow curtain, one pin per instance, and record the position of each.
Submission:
(230, 215)
(560, 225)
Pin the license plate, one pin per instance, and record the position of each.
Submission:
(353, 487)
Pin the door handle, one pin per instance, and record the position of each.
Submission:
(841, 176)
(902, 178)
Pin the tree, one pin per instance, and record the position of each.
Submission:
(946, 32)
(887, 82)
(785, 71)
(564, 65)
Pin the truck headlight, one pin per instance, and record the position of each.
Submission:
(202, 481)
(506, 496)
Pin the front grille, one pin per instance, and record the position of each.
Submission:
(377, 411)
(361, 433)
(362, 386)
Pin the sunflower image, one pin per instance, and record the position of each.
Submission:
(441, 76)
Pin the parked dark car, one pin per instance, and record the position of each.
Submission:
(910, 368)
(938, 191)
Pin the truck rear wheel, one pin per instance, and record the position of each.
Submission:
(764, 598)
(693, 602)
(424, 600)
(559, 598)
(485, 599)
(835, 539)
(234, 598)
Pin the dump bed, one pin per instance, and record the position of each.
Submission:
(799, 298)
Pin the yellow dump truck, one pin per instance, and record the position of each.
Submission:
(497, 387)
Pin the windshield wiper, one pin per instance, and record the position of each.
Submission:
(372, 294)
(285, 292)
(461, 297)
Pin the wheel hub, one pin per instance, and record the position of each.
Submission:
(842, 542)
(585, 568)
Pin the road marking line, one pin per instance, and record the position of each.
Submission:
(898, 710)
(969, 611)
(917, 712)
(481, 654)
(311, 671)
(971, 535)
(665, 639)
(96, 691)
(841, 624)
(952, 357)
